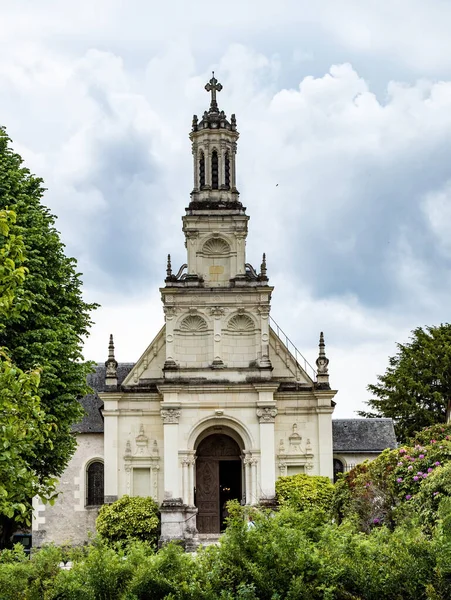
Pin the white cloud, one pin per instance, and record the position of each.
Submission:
(347, 189)
(437, 207)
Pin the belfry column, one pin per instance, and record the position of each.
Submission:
(232, 166)
(266, 414)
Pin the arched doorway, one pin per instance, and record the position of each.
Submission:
(218, 479)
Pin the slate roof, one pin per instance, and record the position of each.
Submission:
(363, 435)
(92, 422)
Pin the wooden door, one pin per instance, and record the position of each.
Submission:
(207, 495)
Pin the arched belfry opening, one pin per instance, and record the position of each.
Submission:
(214, 170)
(202, 170)
(227, 171)
(219, 479)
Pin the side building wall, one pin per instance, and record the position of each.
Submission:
(351, 459)
(69, 521)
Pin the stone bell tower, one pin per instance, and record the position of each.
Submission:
(219, 296)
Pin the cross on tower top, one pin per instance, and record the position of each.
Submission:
(213, 86)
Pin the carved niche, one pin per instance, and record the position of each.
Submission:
(240, 324)
(215, 247)
(193, 324)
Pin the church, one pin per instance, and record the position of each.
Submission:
(221, 403)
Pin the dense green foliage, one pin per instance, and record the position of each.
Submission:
(415, 390)
(284, 557)
(43, 320)
(49, 333)
(23, 423)
(305, 492)
(411, 480)
(129, 519)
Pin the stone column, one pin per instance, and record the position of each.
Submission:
(195, 166)
(325, 448)
(191, 237)
(207, 155)
(110, 414)
(185, 479)
(266, 414)
(217, 312)
(254, 463)
(267, 417)
(232, 167)
(240, 254)
(264, 336)
(170, 312)
(248, 478)
(221, 165)
(170, 417)
(192, 463)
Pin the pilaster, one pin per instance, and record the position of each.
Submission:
(170, 414)
(266, 414)
(217, 313)
(110, 440)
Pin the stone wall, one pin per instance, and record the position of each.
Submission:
(69, 521)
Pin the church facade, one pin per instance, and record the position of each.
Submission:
(219, 405)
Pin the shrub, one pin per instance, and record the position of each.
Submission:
(383, 490)
(129, 519)
(305, 492)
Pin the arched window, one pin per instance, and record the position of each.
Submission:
(214, 170)
(338, 468)
(202, 170)
(227, 170)
(94, 484)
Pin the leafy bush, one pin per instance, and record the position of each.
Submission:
(383, 490)
(129, 519)
(305, 492)
(28, 579)
(287, 555)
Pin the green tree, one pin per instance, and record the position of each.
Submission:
(50, 332)
(415, 390)
(23, 423)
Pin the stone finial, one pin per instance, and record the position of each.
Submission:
(263, 270)
(233, 120)
(111, 365)
(322, 363)
(195, 122)
(169, 267)
(213, 86)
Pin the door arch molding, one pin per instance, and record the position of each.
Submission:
(226, 425)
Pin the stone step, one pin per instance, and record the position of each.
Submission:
(208, 539)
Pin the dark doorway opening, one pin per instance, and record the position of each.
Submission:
(229, 486)
(338, 468)
(218, 480)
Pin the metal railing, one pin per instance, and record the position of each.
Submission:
(300, 359)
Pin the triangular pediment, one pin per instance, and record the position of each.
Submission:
(150, 365)
(287, 364)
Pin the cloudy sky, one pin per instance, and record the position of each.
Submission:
(344, 164)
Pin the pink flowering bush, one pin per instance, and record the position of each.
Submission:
(398, 482)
